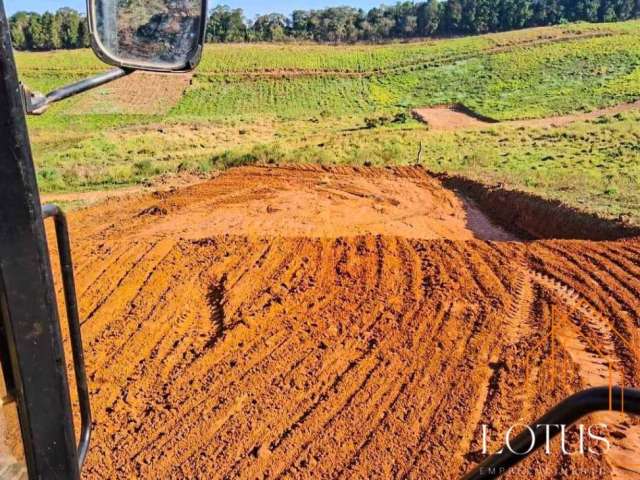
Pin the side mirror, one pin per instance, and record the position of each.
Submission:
(156, 35)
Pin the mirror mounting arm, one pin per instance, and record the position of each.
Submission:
(36, 103)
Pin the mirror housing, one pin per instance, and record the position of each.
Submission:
(153, 35)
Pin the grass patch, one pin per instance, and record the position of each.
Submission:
(312, 103)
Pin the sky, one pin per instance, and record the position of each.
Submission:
(251, 7)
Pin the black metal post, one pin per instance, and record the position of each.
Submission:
(75, 333)
(38, 104)
(29, 309)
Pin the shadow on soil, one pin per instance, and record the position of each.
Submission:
(531, 217)
(215, 298)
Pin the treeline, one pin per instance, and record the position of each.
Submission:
(413, 19)
(49, 31)
(68, 29)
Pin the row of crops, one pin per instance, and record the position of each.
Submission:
(526, 82)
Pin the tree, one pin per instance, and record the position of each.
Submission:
(226, 25)
(486, 16)
(468, 23)
(35, 34)
(547, 12)
(84, 37)
(271, 27)
(51, 31)
(381, 22)
(608, 11)
(515, 14)
(19, 23)
(586, 10)
(624, 9)
(301, 24)
(452, 17)
(406, 19)
(337, 24)
(523, 13)
(70, 21)
(428, 18)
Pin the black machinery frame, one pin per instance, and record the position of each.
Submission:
(28, 306)
(37, 104)
(31, 345)
(566, 413)
(191, 62)
(73, 317)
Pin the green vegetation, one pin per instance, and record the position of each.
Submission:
(593, 165)
(352, 105)
(547, 80)
(404, 20)
(50, 31)
(408, 19)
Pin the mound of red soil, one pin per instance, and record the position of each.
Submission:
(337, 348)
(311, 202)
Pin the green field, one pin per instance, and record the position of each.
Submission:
(312, 103)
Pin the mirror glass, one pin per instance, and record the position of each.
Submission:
(152, 34)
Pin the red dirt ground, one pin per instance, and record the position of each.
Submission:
(340, 323)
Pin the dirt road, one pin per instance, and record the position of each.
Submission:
(451, 118)
(339, 323)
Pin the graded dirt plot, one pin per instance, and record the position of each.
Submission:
(315, 202)
(138, 93)
(448, 118)
(349, 346)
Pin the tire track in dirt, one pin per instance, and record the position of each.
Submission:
(349, 356)
(591, 346)
(402, 423)
(602, 298)
(623, 273)
(104, 286)
(606, 276)
(381, 393)
(516, 329)
(379, 248)
(235, 336)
